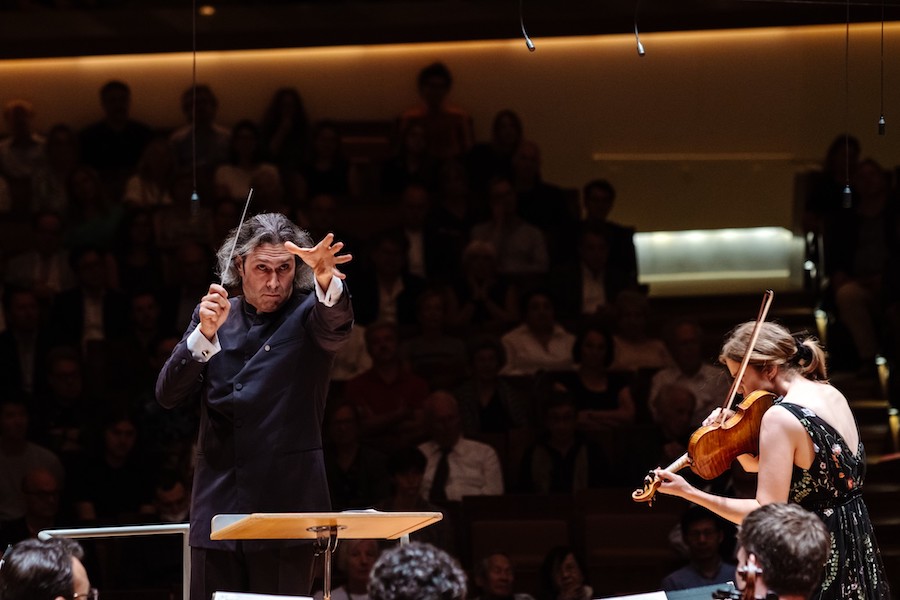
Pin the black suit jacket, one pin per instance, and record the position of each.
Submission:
(262, 401)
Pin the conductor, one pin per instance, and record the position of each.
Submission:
(259, 363)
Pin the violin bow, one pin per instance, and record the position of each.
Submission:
(768, 297)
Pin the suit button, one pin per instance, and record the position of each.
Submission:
(268, 347)
(239, 386)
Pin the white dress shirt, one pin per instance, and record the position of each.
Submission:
(474, 469)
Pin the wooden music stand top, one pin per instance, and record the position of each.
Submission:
(368, 524)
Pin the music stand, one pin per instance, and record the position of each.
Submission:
(324, 528)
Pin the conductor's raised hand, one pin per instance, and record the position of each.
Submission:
(322, 259)
(214, 307)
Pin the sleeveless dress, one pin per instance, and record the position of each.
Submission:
(832, 488)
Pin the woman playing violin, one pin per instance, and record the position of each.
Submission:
(810, 453)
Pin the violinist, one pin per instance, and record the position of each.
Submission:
(810, 454)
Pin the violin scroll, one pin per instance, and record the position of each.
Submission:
(652, 482)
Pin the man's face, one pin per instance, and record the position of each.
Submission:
(65, 378)
(499, 576)
(443, 421)
(41, 494)
(703, 539)
(145, 312)
(382, 345)
(13, 422)
(24, 312)
(267, 277)
(120, 439)
(172, 505)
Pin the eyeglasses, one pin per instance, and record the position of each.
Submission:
(92, 594)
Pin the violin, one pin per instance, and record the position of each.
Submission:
(712, 448)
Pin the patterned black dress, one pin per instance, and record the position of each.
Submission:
(832, 488)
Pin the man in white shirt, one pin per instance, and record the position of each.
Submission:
(456, 466)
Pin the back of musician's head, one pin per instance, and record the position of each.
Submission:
(417, 571)
(39, 570)
(776, 346)
(789, 544)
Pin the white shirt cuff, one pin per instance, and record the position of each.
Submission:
(330, 296)
(201, 348)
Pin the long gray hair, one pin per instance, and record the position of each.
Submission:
(267, 228)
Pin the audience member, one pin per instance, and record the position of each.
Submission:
(18, 456)
(92, 311)
(703, 533)
(782, 548)
(93, 219)
(6, 199)
(151, 184)
(388, 292)
(588, 289)
(24, 345)
(542, 204)
(564, 576)
(245, 162)
(114, 144)
(353, 358)
(858, 240)
(495, 578)
(487, 403)
(416, 571)
(45, 267)
(485, 301)
(327, 170)
(201, 142)
(49, 189)
(23, 150)
(357, 474)
(449, 222)
(434, 355)
(667, 438)
(406, 468)
(448, 129)
(389, 396)
(602, 398)
(598, 197)
(457, 466)
(540, 343)
(354, 559)
(521, 247)
(41, 490)
(138, 260)
(190, 274)
(561, 461)
(111, 483)
(285, 135)
(35, 569)
(709, 384)
(414, 208)
(635, 347)
(411, 165)
(494, 158)
(67, 409)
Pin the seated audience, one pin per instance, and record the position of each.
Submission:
(114, 144)
(457, 466)
(562, 462)
(540, 343)
(233, 179)
(24, 345)
(387, 292)
(602, 397)
(22, 151)
(18, 456)
(285, 135)
(494, 158)
(354, 559)
(487, 402)
(416, 571)
(357, 474)
(151, 185)
(564, 576)
(449, 222)
(495, 578)
(521, 247)
(35, 569)
(411, 165)
(703, 533)
(635, 347)
(201, 142)
(92, 218)
(388, 396)
(327, 170)
(44, 267)
(406, 468)
(138, 259)
(434, 355)
(49, 181)
(708, 383)
(353, 358)
(41, 489)
(598, 198)
(448, 129)
(485, 301)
